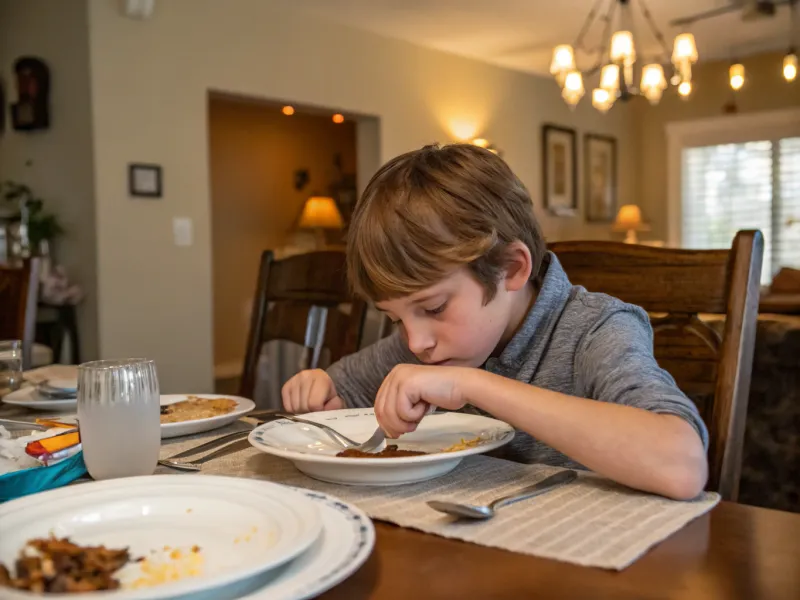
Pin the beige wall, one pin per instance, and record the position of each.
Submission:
(149, 85)
(764, 90)
(254, 151)
(60, 169)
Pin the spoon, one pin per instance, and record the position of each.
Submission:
(470, 511)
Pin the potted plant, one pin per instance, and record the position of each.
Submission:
(37, 228)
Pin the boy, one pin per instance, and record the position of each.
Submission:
(444, 241)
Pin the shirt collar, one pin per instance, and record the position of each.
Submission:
(530, 341)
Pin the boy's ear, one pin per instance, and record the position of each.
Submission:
(518, 266)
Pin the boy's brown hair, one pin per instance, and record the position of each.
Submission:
(432, 210)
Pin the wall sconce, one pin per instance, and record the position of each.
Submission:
(484, 143)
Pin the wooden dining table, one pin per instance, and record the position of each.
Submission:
(734, 552)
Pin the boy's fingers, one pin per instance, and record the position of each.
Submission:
(334, 403)
(413, 413)
(287, 405)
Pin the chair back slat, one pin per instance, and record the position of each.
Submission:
(674, 286)
(304, 299)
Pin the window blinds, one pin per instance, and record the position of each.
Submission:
(754, 185)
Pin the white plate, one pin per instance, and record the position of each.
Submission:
(171, 430)
(65, 385)
(346, 541)
(30, 398)
(243, 527)
(313, 453)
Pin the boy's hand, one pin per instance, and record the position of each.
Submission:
(310, 391)
(409, 390)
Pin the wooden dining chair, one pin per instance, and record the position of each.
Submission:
(19, 291)
(675, 286)
(294, 301)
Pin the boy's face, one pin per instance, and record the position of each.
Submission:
(448, 323)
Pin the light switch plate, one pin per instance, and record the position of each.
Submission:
(182, 231)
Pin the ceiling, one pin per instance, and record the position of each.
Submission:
(520, 34)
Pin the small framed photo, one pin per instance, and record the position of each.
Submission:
(144, 180)
(600, 177)
(560, 170)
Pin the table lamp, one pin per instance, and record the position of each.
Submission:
(320, 213)
(629, 220)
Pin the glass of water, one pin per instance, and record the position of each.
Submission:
(119, 417)
(10, 366)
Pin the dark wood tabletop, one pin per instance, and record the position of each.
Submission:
(734, 552)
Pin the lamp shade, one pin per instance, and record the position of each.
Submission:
(320, 212)
(630, 217)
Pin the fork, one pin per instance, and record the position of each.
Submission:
(197, 464)
(342, 440)
(379, 437)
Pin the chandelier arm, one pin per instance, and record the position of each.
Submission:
(648, 17)
(609, 19)
(587, 23)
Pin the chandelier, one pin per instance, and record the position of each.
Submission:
(622, 75)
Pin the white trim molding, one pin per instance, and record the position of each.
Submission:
(727, 129)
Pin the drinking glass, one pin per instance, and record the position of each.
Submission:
(119, 417)
(10, 366)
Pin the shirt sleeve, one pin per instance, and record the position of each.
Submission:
(615, 363)
(358, 377)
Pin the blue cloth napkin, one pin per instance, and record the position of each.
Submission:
(39, 479)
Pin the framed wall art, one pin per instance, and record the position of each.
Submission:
(560, 170)
(600, 177)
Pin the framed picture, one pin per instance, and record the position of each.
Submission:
(144, 180)
(600, 177)
(560, 170)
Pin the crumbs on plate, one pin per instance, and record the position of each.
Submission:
(176, 565)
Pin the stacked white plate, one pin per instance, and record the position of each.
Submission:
(52, 395)
(226, 538)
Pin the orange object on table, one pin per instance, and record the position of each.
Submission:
(53, 444)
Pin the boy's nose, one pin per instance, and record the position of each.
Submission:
(420, 342)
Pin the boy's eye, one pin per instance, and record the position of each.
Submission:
(438, 310)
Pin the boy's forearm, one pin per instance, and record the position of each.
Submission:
(648, 451)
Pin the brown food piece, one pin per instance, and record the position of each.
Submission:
(64, 567)
(388, 452)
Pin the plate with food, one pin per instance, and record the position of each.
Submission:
(187, 414)
(438, 445)
(40, 398)
(152, 537)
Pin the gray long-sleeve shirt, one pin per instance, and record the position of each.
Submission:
(572, 341)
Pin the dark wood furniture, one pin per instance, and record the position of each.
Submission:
(713, 369)
(293, 301)
(54, 324)
(19, 289)
(736, 552)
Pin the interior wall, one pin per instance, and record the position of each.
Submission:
(57, 162)
(149, 84)
(764, 90)
(254, 151)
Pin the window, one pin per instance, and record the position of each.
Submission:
(750, 185)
